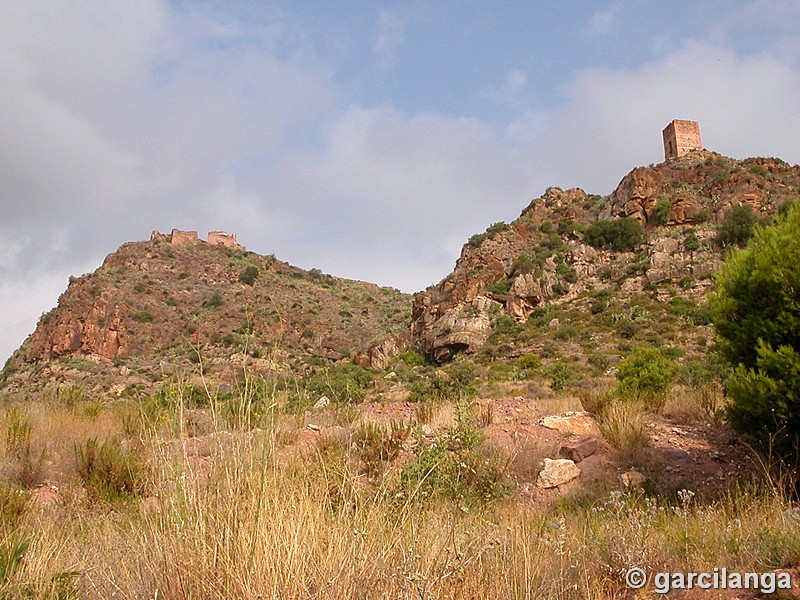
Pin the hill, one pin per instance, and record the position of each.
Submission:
(156, 307)
(556, 254)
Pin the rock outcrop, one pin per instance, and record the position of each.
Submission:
(541, 257)
(85, 325)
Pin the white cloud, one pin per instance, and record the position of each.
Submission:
(394, 196)
(604, 22)
(746, 106)
(388, 38)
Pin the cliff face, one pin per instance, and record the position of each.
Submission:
(543, 256)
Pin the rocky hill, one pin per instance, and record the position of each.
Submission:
(155, 306)
(557, 253)
(576, 276)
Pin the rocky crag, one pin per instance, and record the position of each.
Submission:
(543, 256)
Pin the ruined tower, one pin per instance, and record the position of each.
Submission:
(681, 137)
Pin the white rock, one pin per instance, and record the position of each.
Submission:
(557, 472)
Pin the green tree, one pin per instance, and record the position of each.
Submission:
(621, 235)
(756, 312)
(737, 226)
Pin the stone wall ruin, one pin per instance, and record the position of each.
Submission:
(178, 237)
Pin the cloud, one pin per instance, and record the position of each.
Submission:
(393, 196)
(612, 119)
(604, 22)
(388, 38)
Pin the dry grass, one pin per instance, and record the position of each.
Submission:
(242, 521)
(688, 405)
(624, 426)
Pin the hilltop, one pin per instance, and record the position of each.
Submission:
(155, 308)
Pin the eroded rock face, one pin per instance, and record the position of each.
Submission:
(100, 331)
(635, 195)
(463, 328)
(527, 292)
(378, 355)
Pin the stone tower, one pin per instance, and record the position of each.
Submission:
(681, 137)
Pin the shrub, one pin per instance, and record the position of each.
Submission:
(755, 312)
(621, 235)
(529, 362)
(249, 275)
(214, 301)
(142, 316)
(661, 212)
(343, 384)
(524, 263)
(108, 471)
(646, 372)
(691, 242)
(412, 358)
(501, 288)
(560, 376)
(702, 216)
(737, 226)
(453, 467)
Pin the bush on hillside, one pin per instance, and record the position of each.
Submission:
(343, 384)
(756, 312)
(737, 226)
(646, 373)
(622, 235)
(661, 212)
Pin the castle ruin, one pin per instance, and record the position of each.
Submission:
(681, 137)
(178, 237)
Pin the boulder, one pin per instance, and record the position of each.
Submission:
(578, 450)
(573, 423)
(557, 472)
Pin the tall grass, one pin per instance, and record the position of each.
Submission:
(240, 519)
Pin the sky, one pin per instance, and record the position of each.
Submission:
(365, 139)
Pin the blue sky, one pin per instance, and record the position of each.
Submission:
(365, 139)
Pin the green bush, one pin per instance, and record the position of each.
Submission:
(249, 275)
(524, 263)
(757, 320)
(142, 316)
(343, 384)
(691, 242)
(560, 376)
(737, 226)
(454, 383)
(501, 288)
(622, 235)
(646, 373)
(108, 471)
(661, 212)
(412, 358)
(214, 301)
(453, 468)
(702, 216)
